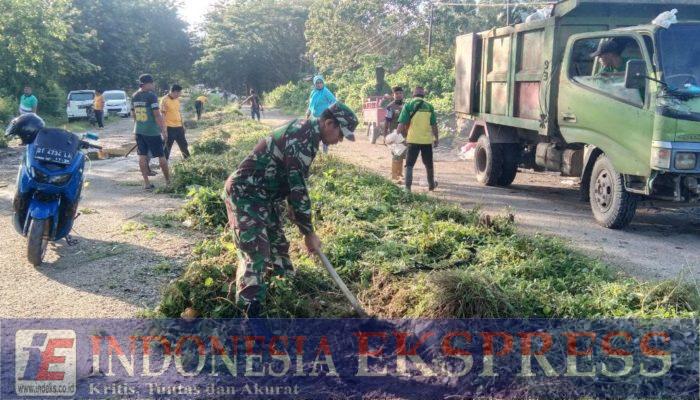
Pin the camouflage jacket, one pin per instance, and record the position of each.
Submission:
(278, 169)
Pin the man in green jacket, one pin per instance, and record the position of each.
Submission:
(418, 123)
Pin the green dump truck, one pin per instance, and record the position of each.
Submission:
(595, 91)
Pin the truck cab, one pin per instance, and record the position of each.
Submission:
(594, 92)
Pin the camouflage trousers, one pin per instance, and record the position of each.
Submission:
(258, 231)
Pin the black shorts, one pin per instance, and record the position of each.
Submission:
(147, 145)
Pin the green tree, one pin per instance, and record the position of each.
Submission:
(132, 37)
(450, 21)
(253, 43)
(340, 31)
(39, 47)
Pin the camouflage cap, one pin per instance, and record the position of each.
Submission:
(346, 118)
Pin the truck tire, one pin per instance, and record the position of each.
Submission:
(488, 162)
(613, 207)
(37, 241)
(511, 159)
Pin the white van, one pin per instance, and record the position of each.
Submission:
(117, 102)
(78, 102)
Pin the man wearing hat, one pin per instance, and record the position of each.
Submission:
(418, 123)
(150, 129)
(609, 54)
(276, 171)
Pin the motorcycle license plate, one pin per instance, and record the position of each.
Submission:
(53, 155)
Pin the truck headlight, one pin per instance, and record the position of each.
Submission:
(660, 158)
(685, 160)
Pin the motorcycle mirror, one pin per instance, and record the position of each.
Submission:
(8, 130)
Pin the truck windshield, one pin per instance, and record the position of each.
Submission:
(679, 53)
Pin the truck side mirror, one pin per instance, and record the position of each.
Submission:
(635, 74)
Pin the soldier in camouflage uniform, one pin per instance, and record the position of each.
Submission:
(277, 171)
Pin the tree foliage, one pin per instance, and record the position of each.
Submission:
(253, 43)
(60, 45)
(38, 44)
(339, 32)
(132, 37)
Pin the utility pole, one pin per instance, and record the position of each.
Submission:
(430, 31)
(507, 12)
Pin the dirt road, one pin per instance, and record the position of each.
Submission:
(124, 256)
(660, 243)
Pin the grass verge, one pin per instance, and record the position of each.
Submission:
(404, 255)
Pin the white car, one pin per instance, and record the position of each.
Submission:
(117, 102)
(78, 102)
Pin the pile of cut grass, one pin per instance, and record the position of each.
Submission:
(404, 255)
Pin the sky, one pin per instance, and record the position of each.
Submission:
(193, 10)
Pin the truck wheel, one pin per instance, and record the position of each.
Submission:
(511, 160)
(488, 162)
(37, 241)
(613, 207)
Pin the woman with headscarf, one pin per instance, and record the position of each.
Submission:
(320, 99)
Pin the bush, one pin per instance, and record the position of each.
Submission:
(52, 101)
(291, 98)
(210, 146)
(443, 105)
(431, 73)
(214, 101)
(8, 109)
(205, 208)
(354, 87)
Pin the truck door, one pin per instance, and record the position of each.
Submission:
(595, 108)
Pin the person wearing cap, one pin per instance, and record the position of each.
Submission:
(609, 54)
(276, 171)
(391, 123)
(149, 128)
(418, 123)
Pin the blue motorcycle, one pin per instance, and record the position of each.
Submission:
(49, 183)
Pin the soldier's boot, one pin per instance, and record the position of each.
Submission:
(432, 184)
(408, 181)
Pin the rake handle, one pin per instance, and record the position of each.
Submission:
(343, 288)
